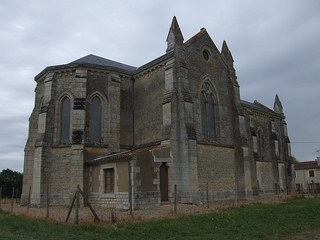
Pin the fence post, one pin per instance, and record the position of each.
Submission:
(17, 192)
(89, 205)
(29, 199)
(207, 191)
(258, 190)
(71, 206)
(175, 198)
(76, 221)
(12, 199)
(48, 203)
(0, 196)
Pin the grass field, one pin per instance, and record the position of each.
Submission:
(292, 219)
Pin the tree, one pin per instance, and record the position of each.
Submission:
(294, 159)
(10, 179)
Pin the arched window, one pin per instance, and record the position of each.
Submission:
(95, 120)
(208, 121)
(260, 144)
(65, 121)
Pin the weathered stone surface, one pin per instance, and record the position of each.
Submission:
(175, 128)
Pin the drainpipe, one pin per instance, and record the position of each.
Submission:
(129, 186)
(133, 143)
(284, 148)
(132, 104)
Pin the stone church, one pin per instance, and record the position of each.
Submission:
(174, 128)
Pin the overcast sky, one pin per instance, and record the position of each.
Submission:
(275, 45)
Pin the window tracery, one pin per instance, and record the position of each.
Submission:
(208, 115)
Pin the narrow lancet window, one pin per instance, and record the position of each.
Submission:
(204, 116)
(208, 115)
(95, 120)
(65, 121)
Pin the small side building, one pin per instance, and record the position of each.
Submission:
(307, 176)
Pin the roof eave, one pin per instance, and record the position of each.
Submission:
(88, 65)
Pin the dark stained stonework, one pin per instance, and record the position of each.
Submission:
(175, 121)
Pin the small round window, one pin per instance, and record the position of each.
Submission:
(206, 55)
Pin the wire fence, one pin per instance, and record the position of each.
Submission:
(80, 207)
(15, 198)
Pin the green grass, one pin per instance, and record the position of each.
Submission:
(286, 220)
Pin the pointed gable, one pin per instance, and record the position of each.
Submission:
(175, 37)
(226, 54)
(277, 107)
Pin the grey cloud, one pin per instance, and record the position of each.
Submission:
(275, 45)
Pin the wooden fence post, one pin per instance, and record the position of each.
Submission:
(12, 199)
(29, 199)
(76, 220)
(70, 209)
(258, 189)
(17, 191)
(175, 198)
(0, 196)
(48, 203)
(76, 198)
(207, 191)
(89, 205)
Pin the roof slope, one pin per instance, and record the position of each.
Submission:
(306, 165)
(94, 60)
(257, 106)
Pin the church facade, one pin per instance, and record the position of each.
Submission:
(174, 128)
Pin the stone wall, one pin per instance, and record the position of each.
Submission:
(118, 200)
(215, 71)
(149, 91)
(265, 177)
(216, 170)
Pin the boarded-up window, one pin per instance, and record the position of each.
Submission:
(95, 120)
(65, 121)
(109, 180)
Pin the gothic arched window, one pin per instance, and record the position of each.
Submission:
(260, 144)
(95, 120)
(208, 115)
(65, 121)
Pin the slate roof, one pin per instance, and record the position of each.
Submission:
(155, 61)
(100, 62)
(258, 106)
(306, 165)
(96, 61)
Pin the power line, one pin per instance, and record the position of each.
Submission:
(305, 142)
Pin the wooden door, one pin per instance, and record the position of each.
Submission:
(164, 182)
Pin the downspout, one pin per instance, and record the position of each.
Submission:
(129, 186)
(284, 148)
(133, 143)
(132, 104)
